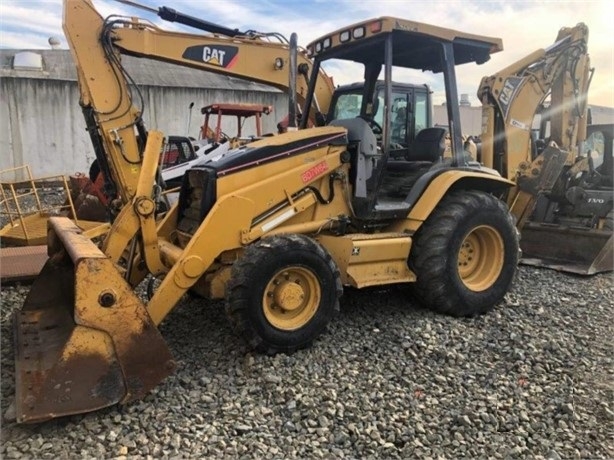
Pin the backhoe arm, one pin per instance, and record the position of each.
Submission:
(242, 57)
(97, 43)
(106, 99)
(513, 96)
(252, 56)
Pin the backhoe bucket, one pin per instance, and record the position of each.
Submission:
(572, 250)
(83, 339)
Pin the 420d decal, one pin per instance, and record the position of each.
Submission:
(218, 55)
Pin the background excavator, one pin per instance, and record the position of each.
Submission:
(277, 227)
(570, 228)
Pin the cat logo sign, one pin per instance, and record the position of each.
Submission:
(217, 55)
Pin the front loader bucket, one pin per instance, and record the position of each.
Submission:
(573, 250)
(83, 339)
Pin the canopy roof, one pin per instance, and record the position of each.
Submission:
(416, 45)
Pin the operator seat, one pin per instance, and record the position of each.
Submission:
(360, 132)
(426, 149)
(429, 145)
(424, 155)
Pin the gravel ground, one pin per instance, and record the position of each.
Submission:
(534, 378)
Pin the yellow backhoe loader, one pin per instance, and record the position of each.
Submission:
(276, 227)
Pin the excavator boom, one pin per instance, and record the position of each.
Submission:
(251, 55)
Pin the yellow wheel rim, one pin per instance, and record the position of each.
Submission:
(291, 298)
(480, 258)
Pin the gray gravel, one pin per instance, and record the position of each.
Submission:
(534, 378)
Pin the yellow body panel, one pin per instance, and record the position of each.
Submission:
(370, 259)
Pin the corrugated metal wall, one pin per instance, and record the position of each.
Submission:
(41, 123)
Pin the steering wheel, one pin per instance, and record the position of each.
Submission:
(374, 125)
(224, 137)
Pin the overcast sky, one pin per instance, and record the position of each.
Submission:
(523, 25)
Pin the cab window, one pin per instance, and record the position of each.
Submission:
(420, 112)
(347, 106)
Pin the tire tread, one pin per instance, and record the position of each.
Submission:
(429, 255)
(239, 292)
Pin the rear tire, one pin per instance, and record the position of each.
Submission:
(282, 293)
(465, 254)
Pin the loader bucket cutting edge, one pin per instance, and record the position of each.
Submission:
(579, 251)
(83, 339)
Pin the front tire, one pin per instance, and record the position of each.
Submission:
(465, 255)
(282, 293)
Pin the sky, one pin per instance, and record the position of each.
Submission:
(524, 27)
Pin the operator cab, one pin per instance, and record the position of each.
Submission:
(395, 151)
(411, 110)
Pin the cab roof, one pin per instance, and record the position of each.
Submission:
(416, 46)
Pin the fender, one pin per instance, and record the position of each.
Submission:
(440, 182)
